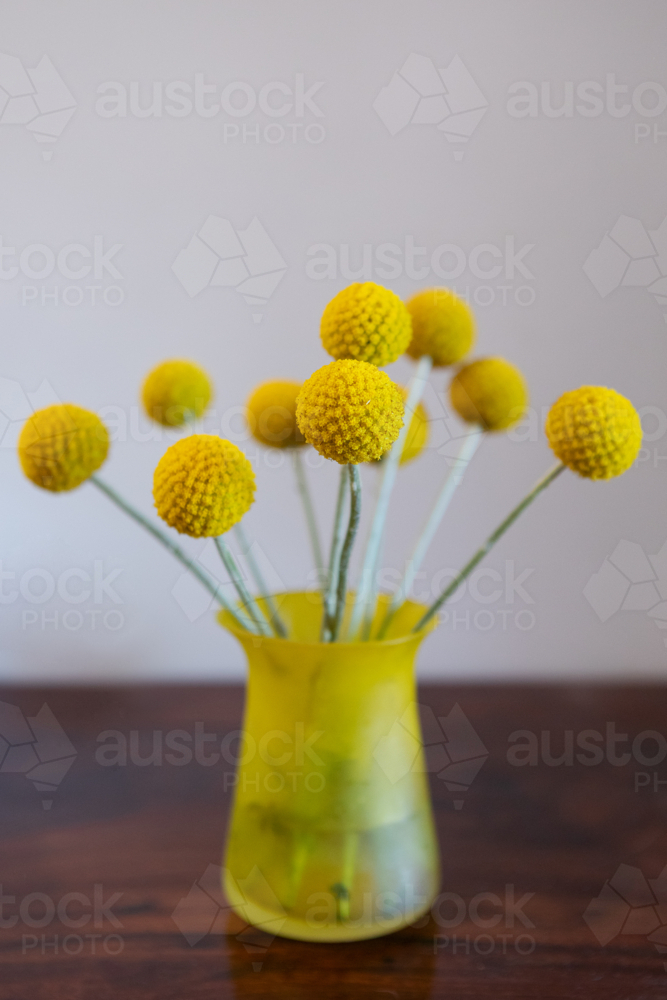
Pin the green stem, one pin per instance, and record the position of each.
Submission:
(246, 550)
(366, 590)
(212, 587)
(489, 543)
(329, 608)
(453, 479)
(244, 594)
(309, 511)
(353, 525)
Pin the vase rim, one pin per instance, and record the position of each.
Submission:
(225, 619)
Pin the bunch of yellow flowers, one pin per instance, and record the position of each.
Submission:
(352, 413)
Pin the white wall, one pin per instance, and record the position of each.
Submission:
(334, 174)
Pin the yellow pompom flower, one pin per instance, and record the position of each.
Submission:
(271, 414)
(350, 411)
(594, 431)
(61, 446)
(176, 392)
(443, 326)
(490, 392)
(366, 322)
(203, 485)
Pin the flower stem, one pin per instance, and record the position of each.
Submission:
(353, 525)
(329, 609)
(212, 587)
(366, 590)
(246, 550)
(455, 474)
(246, 597)
(309, 511)
(489, 543)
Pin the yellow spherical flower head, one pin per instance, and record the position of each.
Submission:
(490, 392)
(350, 411)
(366, 322)
(203, 485)
(594, 431)
(176, 392)
(271, 415)
(61, 446)
(443, 326)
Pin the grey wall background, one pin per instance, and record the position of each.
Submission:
(579, 586)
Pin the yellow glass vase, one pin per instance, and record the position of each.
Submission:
(331, 836)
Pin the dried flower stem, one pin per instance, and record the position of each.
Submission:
(206, 581)
(489, 543)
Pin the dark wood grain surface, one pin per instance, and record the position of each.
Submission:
(557, 832)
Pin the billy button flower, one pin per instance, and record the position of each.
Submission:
(203, 486)
(443, 326)
(350, 412)
(489, 392)
(176, 392)
(61, 446)
(594, 431)
(271, 414)
(366, 322)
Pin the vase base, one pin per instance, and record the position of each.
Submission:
(298, 929)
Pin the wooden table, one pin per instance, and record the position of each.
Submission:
(558, 832)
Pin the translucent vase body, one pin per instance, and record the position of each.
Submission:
(331, 835)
